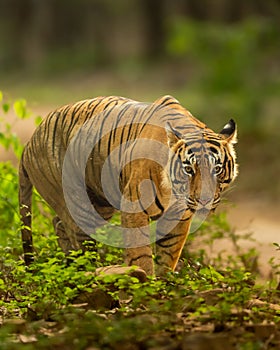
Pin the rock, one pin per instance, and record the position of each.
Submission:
(122, 270)
(99, 299)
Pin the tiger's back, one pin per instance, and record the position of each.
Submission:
(44, 153)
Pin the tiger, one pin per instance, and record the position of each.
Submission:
(161, 164)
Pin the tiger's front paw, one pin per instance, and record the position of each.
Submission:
(162, 270)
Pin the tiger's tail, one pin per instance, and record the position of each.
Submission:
(25, 203)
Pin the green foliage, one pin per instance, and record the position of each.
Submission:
(230, 60)
(20, 108)
(49, 304)
(8, 139)
(226, 50)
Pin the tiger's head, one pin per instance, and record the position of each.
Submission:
(202, 164)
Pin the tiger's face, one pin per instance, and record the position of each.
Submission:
(202, 165)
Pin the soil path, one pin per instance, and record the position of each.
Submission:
(262, 219)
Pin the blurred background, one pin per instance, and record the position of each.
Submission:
(220, 58)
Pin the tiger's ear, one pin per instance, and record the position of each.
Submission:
(229, 132)
(173, 135)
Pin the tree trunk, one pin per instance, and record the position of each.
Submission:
(154, 26)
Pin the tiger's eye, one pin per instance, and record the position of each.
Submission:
(218, 169)
(188, 169)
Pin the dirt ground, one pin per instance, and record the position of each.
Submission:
(262, 218)
(257, 215)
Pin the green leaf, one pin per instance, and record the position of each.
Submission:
(20, 108)
(38, 120)
(3, 141)
(6, 107)
(1, 95)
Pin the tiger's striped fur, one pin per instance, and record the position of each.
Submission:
(199, 165)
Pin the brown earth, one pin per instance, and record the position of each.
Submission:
(262, 219)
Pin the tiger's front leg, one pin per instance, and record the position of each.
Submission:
(171, 237)
(136, 233)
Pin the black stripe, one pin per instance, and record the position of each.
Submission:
(105, 115)
(64, 114)
(168, 98)
(47, 129)
(54, 138)
(214, 150)
(186, 219)
(70, 123)
(213, 142)
(168, 237)
(139, 197)
(73, 119)
(166, 253)
(78, 107)
(140, 257)
(158, 204)
(113, 100)
(100, 101)
(172, 102)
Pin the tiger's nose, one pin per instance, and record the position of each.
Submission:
(205, 201)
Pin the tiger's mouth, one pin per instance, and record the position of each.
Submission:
(203, 207)
(202, 211)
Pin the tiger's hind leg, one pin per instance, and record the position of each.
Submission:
(69, 238)
(25, 204)
(63, 240)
